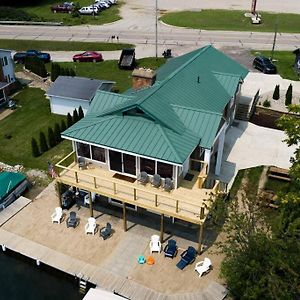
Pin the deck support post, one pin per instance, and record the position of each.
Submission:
(58, 190)
(91, 205)
(200, 238)
(124, 217)
(161, 228)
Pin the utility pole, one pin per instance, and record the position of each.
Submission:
(275, 36)
(253, 7)
(156, 28)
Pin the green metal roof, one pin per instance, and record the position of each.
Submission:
(182, 109)
(8, 182)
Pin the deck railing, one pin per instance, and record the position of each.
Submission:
(111, 188)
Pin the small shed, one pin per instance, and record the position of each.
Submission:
(67, 93)
(297, 60)
(12, 185)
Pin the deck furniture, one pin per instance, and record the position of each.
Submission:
(187, 257)
(143, 177)
(141, 259)
(155, 244)
(168, 185)
(82, 164)
(203, 266)
(90, 226)
(106, 231)
(72, 220)
(171, 249)
(156, 180)
(150, 260)
(57, 215)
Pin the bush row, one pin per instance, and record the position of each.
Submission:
(57, 70)
(36, 66)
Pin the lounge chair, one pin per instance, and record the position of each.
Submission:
(156, 180)
(81, 163)
(106, 231)
(168, 185)
(155, 245)
(57, 215)
(90, 226)
(171, 249)
(203, 266)
(187, 257)
(143, 178)
(72, 220)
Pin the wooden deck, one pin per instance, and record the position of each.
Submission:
(187, 202)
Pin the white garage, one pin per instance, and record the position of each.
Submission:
(67, 93)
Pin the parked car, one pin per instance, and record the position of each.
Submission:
(264, 64)
(66, 7)
(89, 10)
(20, 56)
(88, 56)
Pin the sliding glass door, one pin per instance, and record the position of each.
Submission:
(123, 163)
(129, 164)
(115, 159)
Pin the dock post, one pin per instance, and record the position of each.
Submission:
(124, 217)
(201, 230)
(161, 228)
(91, 204)
(58, 191)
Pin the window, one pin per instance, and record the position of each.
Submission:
(148, 166)
(115, 160)
(129, 164)
(5, 62)
(164, 170)
(123, 163)
(83, 150)
(98, 153)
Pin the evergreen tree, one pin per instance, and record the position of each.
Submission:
(51, 138)
(63, 126)
(69, 120)
(57, 131)
(67, 72)
(80, 113)
(289, 95)
(75, 116)
(54, 71)
(34, 148)
(276, 94)
(43, 142)
(72, 72)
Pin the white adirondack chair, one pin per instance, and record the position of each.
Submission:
(155, 245)
(203, 266)
(57, 215)
(90, 226)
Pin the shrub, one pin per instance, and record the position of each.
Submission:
(51, 138)
(266, 103)
(69, 120)
(276, 94)
(43, 143)
(36, 66)
(75, 116)
(63, 126)
(80, 113)
(55, 70)
(10, 13)
(57, 131)
(289, 95)
(34, 148)
(72, 72)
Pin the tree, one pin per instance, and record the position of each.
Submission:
(36, 66)
(276, 94)
(43, 142)
(80, 113)
(57, 131)
(51, 138)
(289, 95)
(55, 70)
(75, 116)
(34, 148)
(72, 72)
(63, 126)
(69, 120)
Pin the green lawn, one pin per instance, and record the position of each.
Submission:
(32, 116)
(109, 70)
(232, 20)
(23, 45)
(43, 11)
(284, 61)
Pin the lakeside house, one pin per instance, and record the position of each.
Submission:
(171, 123)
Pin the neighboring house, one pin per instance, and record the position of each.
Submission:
(171, 122)
(7, 75)
(297, 60)
(67, 93)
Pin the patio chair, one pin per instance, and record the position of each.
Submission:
(90, 226)
(57, 215)
(171, 249)
(81, 163)
(143, 177)
(156, 180)
(168, 186)
(155, 245)
(72, 220)
(187, 257)
(106, 231)
(203, 266)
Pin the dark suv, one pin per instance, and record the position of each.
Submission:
(264, 64)
(66, 7)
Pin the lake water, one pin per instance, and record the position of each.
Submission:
(22, 279)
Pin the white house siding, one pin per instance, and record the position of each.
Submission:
(7, 66)
(63, 106)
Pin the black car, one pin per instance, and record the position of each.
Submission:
(21, 56)
(264, 64)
